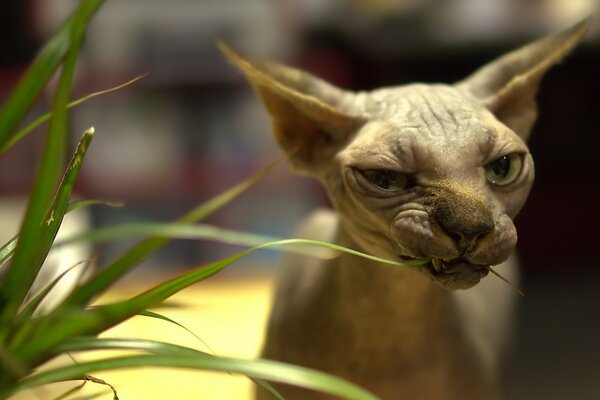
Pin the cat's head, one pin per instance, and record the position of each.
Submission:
(419, 170)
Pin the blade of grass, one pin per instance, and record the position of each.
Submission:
(213, 233)
(151, 346)
(148, 346)
(170, 231)
(111, 273)
(152, 314)
(76, 205)
(71, 391)
(83, 343)
(40, 71)
(99, 381)
(38, 338)
(11, 364)
(167, 230)
(35, 240)
(7, 250)
(40, 120)
(495, 273)
(262, 369)
(158, 294)
(54, 157)
(87, 378)
(265, 385)
(60, 203)
(29, 309)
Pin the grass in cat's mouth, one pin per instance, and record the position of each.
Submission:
(437, 266)
(455, 274)
(450, 267)
(447, 271)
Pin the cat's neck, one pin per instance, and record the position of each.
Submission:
(403, 298)
(372, 275)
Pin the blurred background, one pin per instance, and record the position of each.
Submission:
(193, 128)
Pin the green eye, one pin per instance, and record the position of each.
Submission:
(504, 170)
(387, 180)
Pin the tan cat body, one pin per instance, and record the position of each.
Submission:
(414, 171)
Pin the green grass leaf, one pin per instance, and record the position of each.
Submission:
(172, 356)
(259, 382)
(76, 205)
(42, 336)
(169, 231)
(12, 365)
(152, 314)
(27, 340)
(70, 392)
(54, 157)
(40, 120)
(33, 342)
(33, 304)
(87, 378)
(87, 343)
(40, 71)
(7, 250)
(131, 258)
(160, 293)
(213, 233)
(38, 229)
(35, 240)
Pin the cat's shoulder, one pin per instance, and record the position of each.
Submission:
(300, 273)
(321, 224)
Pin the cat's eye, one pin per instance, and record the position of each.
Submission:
(504, 170)
(390, 181)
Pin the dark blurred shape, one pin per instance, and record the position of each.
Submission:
(18, 45)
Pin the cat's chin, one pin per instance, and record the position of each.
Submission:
(455, 274)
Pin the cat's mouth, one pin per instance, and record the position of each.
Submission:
(455, 274)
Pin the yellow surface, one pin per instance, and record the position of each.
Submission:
(228, 314)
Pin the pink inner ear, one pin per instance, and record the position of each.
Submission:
(516, 108)
(312, 95)
(304, 124)
(302, 134)
(519, 120)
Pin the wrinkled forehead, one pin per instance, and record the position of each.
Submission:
(433, 124)
(439, 111)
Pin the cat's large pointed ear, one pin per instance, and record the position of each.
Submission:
(310, 116)
(508, 85)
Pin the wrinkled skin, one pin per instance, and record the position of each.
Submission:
(456, 171)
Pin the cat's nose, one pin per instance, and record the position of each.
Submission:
(467, 236)
(466, 219)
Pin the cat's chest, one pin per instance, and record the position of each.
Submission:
(366, 308)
